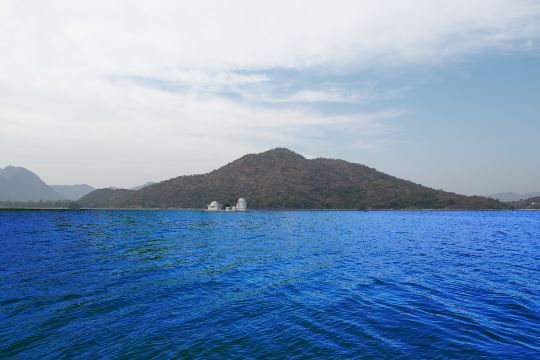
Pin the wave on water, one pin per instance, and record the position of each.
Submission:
(190, 284)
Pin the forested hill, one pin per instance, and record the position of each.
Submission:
(531, 203)
(282, 179)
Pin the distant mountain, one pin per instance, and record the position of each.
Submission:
(530, 203)
(106, 198)
(72, 192)
(506, 196)
(20, 184)
(510, 196)
(282, 179)
(143, 186)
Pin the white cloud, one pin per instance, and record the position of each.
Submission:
(199, 80)
(63, 101)
(142, 133)
(138, 36)
(320, 96)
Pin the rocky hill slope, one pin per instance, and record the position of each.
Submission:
(282, 179)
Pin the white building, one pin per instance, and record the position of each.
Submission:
(241, 205)
(214, 206)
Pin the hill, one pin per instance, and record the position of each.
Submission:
(282, 179)
(106, 198)
(72, 192)
(511, 197)
(20, 184)
(530, 203)
(506, 196)
(142, 186)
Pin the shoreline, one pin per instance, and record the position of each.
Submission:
(249, 210)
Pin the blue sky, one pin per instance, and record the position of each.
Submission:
(442, 93)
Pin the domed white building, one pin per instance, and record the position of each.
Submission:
(241, 205)
(214, 206)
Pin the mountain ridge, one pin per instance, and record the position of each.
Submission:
(512, 197)
(527, 204)
(73, 192)
(21, 184)
(282, 179)
(143, 185)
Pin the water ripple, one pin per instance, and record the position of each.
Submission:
(188, 284)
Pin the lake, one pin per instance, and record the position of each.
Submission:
(265, 284)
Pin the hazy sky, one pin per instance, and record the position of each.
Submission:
(117, 93)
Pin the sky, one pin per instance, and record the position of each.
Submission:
(118, 93)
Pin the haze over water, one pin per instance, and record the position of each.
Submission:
(190, 284)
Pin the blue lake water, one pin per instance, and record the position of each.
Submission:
(188, 284)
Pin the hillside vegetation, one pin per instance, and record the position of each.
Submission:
(282, 179)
